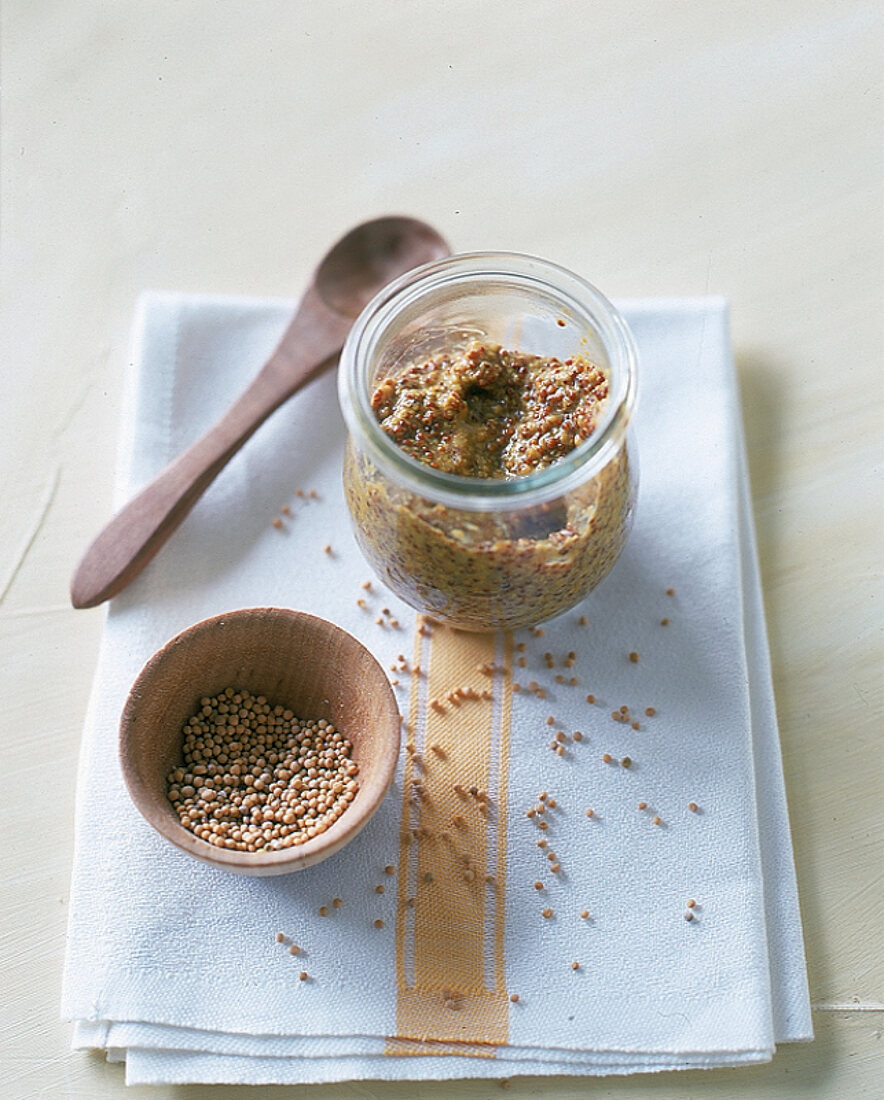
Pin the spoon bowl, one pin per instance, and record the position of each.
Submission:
(362, 263)
(371, 256)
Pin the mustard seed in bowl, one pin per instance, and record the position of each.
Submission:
(254, 777)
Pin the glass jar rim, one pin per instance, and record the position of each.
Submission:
(477, 494)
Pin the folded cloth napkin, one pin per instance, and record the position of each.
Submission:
(176, 967)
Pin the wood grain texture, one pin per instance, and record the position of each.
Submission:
(657, 149)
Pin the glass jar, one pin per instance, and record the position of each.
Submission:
(489, 553)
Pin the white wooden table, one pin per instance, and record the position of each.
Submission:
(659, 148)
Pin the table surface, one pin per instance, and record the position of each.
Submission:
(656, 146)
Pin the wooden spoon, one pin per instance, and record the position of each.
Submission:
(356, 268)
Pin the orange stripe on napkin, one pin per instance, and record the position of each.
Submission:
(450, 925)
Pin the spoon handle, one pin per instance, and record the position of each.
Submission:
(135, 534)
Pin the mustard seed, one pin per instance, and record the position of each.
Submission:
(590, 699)
(582, 621)
(303, 976)
(280, 937)
(633, 657)
(584, 914)
(642, 805)
(693, 807)
(277, 523)
(254, 777)
(294, 949)
(664, 622)
(656, 821)
(538, 885)
(389, 869)
(555, 867)
(379, 923)
(337, 903)
(379, 889)
(577, 735)
(575, 965)
(547, 913)
(650, 712)
(514, 997)
(590, 813)
(626, 762)
(691, 903)
(670, 591)
(688, 914)
(323, 910)
(607, 758)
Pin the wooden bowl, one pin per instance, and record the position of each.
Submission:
(307, 664)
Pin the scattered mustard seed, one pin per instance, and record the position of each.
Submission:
(575, 965)
(670, 591)
(514, 997)
(650, 711)
(379, 889)
(688, 914)
(590, 813)
(656, 820)
(337, 903)
(294, 949)
(389, 869)
(590, 699)
(538, 885)
(303, 976)
(280, 937)
(547, 913)
(633, 657)
(584, 914)
(379, 923)
(277, 523)
(642, 805)
(323, 910)
(664, 622)
(693, 807)
(626, 762)
(607, 758)
(692, 903)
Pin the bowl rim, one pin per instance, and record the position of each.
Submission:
(282, 860)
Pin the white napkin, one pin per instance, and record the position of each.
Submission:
(175, 967)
